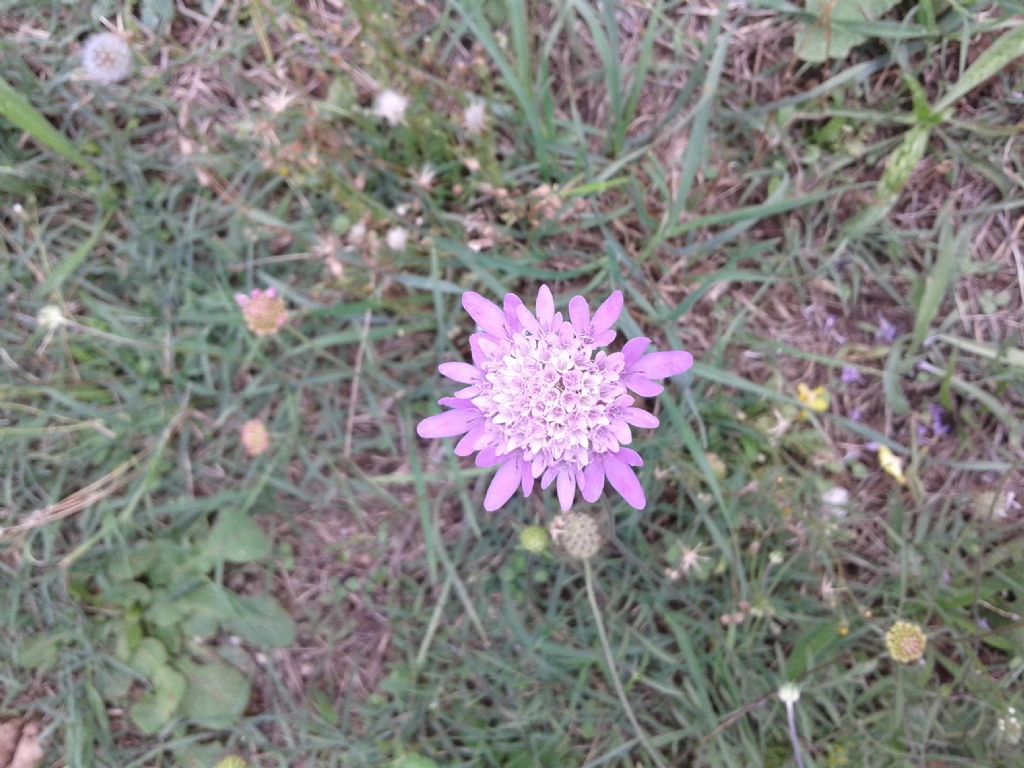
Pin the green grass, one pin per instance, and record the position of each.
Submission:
(763, 212)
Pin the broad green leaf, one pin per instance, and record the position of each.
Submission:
(236, 538)
(1004, 50)
(134, 561)
(260, 620)
(39, 651)
(835, 30)
(149, 656)
(18, 110)
(217, 693)
(156, 709)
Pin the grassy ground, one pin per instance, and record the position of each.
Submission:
(853, 224)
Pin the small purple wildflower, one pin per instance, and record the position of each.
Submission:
(543, 401)
(939, 426)
(851, 375)
(886, 332)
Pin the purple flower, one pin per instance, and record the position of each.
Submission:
(939, 426)
(851, 375)
(886, 332)
(542, 401)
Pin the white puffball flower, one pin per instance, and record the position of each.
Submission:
(836, 501)
(789, 694)
(106, 58)
(474, 118)
(50, 318)
(397, 238)
(391, 105)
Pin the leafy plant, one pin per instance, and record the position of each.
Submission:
(838, 26)
(157, 608)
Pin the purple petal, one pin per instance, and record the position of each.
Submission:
(566, 489)
(634, 349)
(659, 365)
(608, 313)
(510, 305)
(486, 313)
(457, 403)
(464, 373)
(548, 477)
(643, 387)
(241, 299)
(526, 318)
(502, 486)
(447, 424)
(593, 480)
(604, 338)
(579, 314)
(630, 457)
(640, 418)
(467, 444)
(526, 477)
(545, 305)
(623, 480)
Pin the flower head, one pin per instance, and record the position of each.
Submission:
(106, 58)
(391, 105)
(891, 464)
(254, 437)
(851, 375)
(906, 642)
(264, 311)
(50, 318)
(475, 117)
(543, 401)
(816, 399)
(836, 501)
(789, 694)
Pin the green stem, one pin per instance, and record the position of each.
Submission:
(613, 672)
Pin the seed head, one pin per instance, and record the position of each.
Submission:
(255, 439)
(577, 534)
(475, 117)
(50, 318)
(264, 311)
(106, 58)
(397, 238)
(391, 106)
(906, 642)
(543, 401)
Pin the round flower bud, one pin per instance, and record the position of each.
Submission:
(789, 694)
(533, 538)
(906, 642)
(264, 312)
(577, 534)
(50, 317)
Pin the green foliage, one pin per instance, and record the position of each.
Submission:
(837, 27)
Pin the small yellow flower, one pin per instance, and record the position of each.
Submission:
(264, 311)
(232, 761)
(816, 399)
(906, 642)
(891, 465)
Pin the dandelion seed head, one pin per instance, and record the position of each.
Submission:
(906, 642)
(106, 58)
(475, 117)
(264, 312)
(544, 401)
(50, 317)
(391, 105)
(397, 238)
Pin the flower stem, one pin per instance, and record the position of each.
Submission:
(614, 673)
(793, 737)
